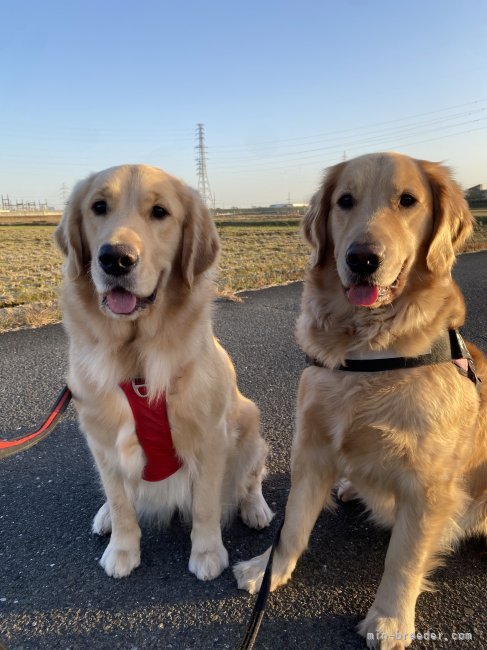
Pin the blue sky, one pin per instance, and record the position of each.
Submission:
(284, 89)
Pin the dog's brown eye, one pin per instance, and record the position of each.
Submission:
(100, 207)
(158, 212)
(407, 200)
(346, 202)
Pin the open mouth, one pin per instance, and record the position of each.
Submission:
(368, 295)
(124, 303)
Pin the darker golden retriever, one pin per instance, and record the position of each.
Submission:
(384, 230)
(156, 394)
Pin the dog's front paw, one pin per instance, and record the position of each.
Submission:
(345, 490)
(102, 523)
(207, 564)
(120, 562)
(249, 574)
(386, 632)
(255, 512)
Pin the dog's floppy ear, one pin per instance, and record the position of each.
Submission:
(452, 220)
(201, 244)
(68, 235)
(316, 217)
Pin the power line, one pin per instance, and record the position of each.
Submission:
(347, 143)
(305, 151)
(96, 131)
(332, 157)
(413, 126)
(379, 125)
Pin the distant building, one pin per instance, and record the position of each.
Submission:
(288, 205)
(476, 193)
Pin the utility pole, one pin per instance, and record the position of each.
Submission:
(203, 182)
(64, 194)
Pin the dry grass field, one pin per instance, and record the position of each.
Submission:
(260, 254)
(256, 252)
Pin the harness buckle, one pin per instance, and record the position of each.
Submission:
(139, 386)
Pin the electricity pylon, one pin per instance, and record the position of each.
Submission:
(203, 182)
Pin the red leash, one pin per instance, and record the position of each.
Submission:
(11, 447)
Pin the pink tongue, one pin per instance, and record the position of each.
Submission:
(121, 301)
(363, 295)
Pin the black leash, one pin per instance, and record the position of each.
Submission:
(258, 612)
(11, 447)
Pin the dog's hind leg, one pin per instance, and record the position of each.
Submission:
(474, 519)
(345, 491)
(102, 523)
(249, 467)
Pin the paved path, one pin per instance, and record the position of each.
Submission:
(53, 593)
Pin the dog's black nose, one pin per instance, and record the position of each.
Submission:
(117, 259)
(363, 259)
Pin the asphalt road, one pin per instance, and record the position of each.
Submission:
(54, 594)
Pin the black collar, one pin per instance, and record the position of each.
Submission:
(448, 347)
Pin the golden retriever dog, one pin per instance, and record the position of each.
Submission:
(137, 302)
(384, 230)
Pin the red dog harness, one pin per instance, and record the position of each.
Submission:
(153, 431)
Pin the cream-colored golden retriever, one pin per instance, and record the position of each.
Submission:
(137, 303)
(384, 230)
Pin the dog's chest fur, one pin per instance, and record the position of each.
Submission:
(378, 425)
